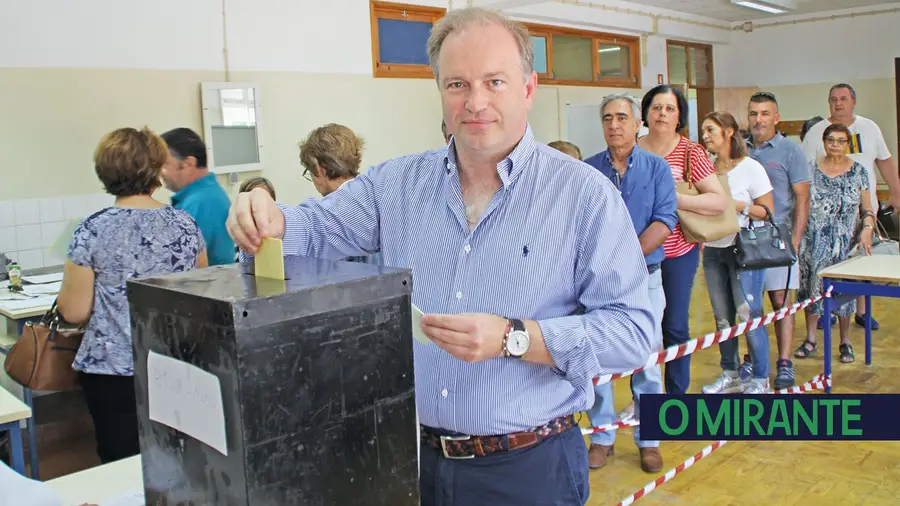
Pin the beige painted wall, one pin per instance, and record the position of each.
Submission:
(53, 118)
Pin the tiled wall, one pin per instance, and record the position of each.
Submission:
(29, 227)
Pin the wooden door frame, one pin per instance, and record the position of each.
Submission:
(708, 90)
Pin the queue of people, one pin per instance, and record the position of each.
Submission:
(537, 271)
(823, 205)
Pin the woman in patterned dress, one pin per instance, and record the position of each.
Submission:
(134, 238)
(839, 195)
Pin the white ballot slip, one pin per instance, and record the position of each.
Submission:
(187, 399)
(417, 326)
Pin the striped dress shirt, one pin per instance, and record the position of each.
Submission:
(555, 245)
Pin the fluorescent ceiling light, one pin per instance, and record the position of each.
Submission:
(769, 6)
(608, 49)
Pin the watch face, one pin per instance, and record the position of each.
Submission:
(517, 344)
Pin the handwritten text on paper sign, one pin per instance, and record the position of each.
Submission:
(187, 399)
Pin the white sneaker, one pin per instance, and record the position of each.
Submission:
(757, 386)
(727, 383)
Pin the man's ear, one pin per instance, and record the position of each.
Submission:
(190, 161)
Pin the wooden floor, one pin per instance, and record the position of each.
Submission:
(772, 473)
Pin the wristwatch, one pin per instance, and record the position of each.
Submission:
(516, 341)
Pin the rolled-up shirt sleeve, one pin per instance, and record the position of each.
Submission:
(345, 223)
(665, 202)
(614, 332)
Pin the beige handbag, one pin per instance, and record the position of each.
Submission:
(698, 228)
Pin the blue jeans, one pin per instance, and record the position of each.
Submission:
(648, 381)
(678, 282)
(736, 296)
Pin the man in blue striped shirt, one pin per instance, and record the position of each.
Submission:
(646, 184)
(524, 260)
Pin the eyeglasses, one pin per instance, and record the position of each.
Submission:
(833, 140)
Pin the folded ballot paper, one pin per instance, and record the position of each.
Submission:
(417, 325)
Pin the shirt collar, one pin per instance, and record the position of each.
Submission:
(510, 167)
(607, 158)
(204, 182)
(773, 142)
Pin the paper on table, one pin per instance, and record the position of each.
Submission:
(270, 259)
(135, 498)
(44, 278)
(44, 289)
(417, 326)
(186, 398)
(18, 305)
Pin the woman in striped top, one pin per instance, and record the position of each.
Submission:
(665, 113)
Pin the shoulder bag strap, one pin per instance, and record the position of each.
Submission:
(687, 164)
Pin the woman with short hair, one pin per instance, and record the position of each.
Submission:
(136, 237)
(840, 214)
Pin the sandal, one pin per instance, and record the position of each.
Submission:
(807, 349)
(846, 353)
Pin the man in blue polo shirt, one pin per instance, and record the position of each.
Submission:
(788, 172)
(197, 192)
(646, 185)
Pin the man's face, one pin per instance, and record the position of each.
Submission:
(484, 93)
(763, 116)
(171, 173)
(841, 103)
(619, 125)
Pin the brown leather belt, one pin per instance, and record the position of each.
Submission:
(468, 447)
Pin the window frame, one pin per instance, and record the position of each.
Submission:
(404, 12)
(633, 43)
(691, 78)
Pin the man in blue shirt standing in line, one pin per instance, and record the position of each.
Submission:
(646, 184)
(197, 192)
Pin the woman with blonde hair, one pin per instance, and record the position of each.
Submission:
(136, 237)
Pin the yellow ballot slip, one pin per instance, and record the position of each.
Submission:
(417, 326)
(270, 259)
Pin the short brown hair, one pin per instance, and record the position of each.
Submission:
(334, 148)
(567, 148)
(129, 161)
(257, 182)
(725, 120)
(836, 127)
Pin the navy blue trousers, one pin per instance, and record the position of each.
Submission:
(552, 473)
(678, 281)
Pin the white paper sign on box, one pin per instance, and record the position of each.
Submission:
(186, 398)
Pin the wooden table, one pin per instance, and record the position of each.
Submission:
(101, 484)
(875, 275)
(12, 412)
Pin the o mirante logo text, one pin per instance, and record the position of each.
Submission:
(800, 417)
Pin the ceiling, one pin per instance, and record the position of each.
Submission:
(726, 11)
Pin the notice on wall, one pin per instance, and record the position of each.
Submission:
(187, 399)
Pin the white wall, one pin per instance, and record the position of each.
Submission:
(848, 49)
(270, 35)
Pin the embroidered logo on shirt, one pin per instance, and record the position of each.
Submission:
(525, 251)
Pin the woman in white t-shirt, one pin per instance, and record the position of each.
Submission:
(736, 295)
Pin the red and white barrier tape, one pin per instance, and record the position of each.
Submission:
(674, 352)
(816, 383)
(618, 424)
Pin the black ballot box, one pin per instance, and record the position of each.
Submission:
(256, 391)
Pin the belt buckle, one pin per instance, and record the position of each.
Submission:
(444, 440)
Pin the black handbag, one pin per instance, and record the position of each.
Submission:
(763, 247)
